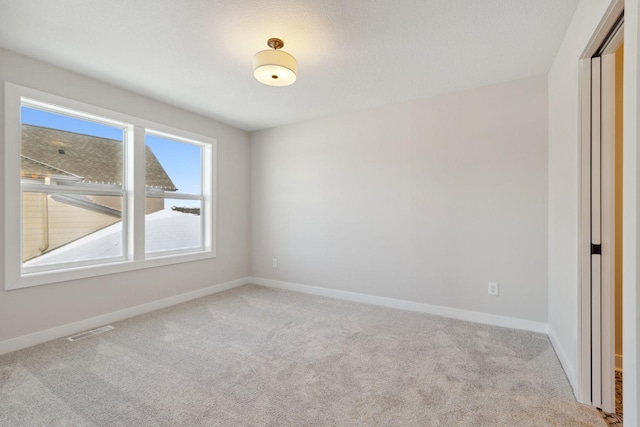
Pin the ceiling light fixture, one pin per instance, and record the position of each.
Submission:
(274, 67)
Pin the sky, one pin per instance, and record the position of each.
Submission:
(181, 161)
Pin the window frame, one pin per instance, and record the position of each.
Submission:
(134, 256)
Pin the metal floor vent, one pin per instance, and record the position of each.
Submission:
(90, 333)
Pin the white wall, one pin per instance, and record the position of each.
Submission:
(563, 194)
(425, 201)
(30, 310)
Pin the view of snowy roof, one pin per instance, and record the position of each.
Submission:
(165, 230)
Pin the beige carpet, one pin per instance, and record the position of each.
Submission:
(254, 356)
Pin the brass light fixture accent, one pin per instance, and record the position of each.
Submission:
(275, 43)
(275, 67)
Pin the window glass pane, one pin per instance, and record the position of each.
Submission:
(172, 166)
(60, 150)
(63, 228)
(172, 224)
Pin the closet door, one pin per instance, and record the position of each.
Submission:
(603, 231)
(596, 236)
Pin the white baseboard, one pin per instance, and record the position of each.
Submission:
(471, 316)
(618, 362)
(564, 361)
(40, 337)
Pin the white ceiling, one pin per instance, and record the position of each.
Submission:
(352, 54)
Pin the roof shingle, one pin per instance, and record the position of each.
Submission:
(96, 160)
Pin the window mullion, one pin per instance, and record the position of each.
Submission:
(136, 192)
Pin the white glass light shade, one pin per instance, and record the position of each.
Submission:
(274, 68)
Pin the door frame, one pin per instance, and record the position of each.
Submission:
(595, 384)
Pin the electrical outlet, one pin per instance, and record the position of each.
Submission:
(274, 263)
(493, 289)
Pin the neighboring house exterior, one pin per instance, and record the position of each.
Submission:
(58, 157)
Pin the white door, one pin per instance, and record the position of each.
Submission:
(596, 238)
(602, 213)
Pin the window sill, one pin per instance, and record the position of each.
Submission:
(63, 275)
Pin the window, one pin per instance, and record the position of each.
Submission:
(100, 192)
(173, 221)
(71, 173)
